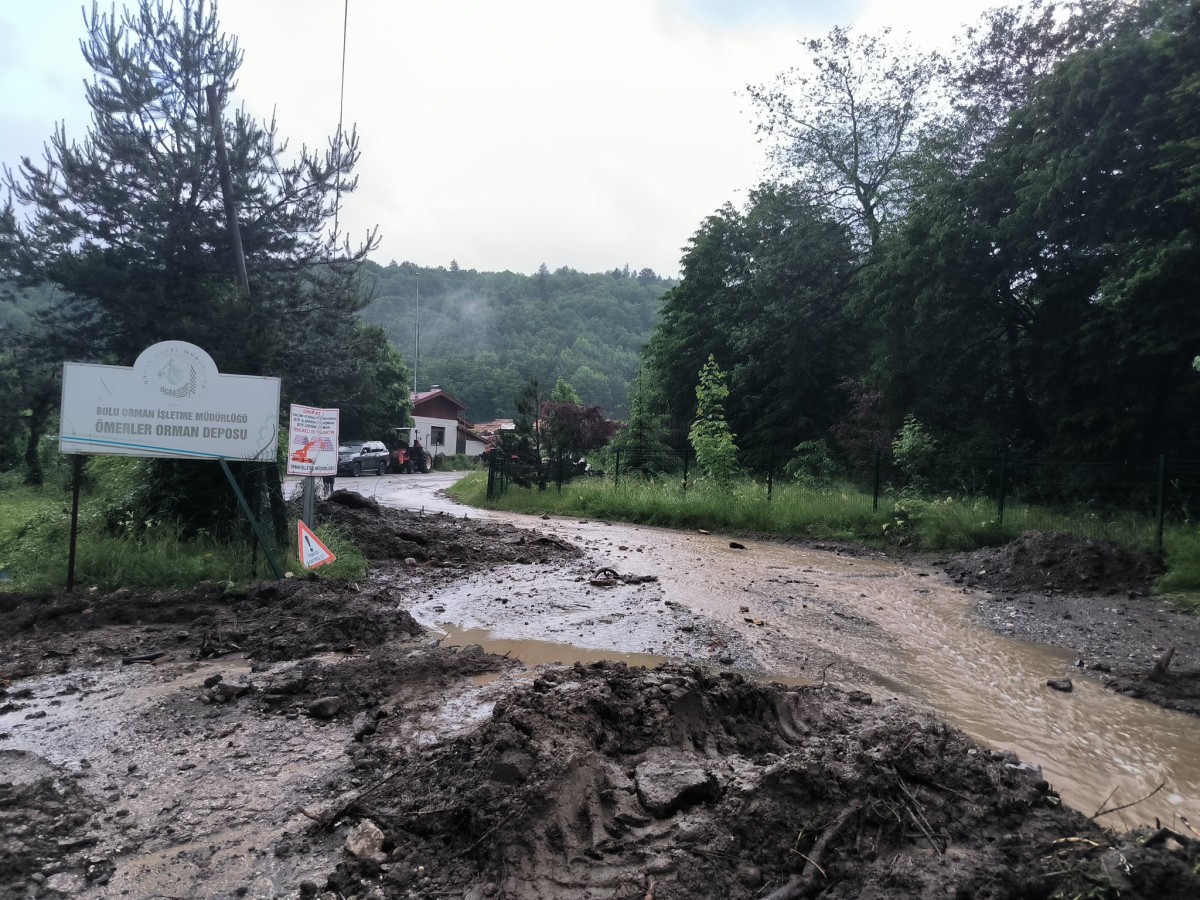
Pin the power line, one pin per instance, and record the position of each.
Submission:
(337, 196)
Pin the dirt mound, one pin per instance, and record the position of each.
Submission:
(387, 535)
(1044, 561)
(605, 781)
(272, 620)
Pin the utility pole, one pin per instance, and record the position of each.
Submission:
(417, 359)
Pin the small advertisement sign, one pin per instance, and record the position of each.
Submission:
(172, 403)
(312, 441)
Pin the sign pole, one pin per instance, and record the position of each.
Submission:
(258, 535)
(76, 478)
(310, 490)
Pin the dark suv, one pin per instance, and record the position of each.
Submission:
(354, 456)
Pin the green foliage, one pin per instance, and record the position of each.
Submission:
(738, 505)
(458, 462)
(1182, 578)
(35, 536)
(849, 130)
(710, 437)
(915, 452)
(115, 552)
(765, 290)
(349, 564)
(1038, 289)
(643, 440)
(485, 334)
(813, 464)
(564, 393)
(128, 224)
(841, 511)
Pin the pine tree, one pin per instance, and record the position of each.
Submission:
(130, 222)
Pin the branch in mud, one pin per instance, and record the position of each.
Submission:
(1162, 664)
(804, 884)
(1112, 809)
(608, 577)
(917, 814)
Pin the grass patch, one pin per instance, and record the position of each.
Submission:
(349, 563)
(35, 527)
(945, 524)
(1182, 579)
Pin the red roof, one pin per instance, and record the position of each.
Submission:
(423, 396)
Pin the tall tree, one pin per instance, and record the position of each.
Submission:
(1046, 295)
(847, 129)
(765, 290)
(130, 222)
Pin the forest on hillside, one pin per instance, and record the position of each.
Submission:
(995, 249)
(484, 335)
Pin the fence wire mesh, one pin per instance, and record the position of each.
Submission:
(1130, 501)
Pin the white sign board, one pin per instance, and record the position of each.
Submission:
(312, 441)
(172, 403)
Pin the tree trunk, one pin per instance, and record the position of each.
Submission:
(37, 429)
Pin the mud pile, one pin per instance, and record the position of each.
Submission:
(605, 781)
(41, 816)
(270, 621)
(1094, 598)
(439, 541)
(1050, 562)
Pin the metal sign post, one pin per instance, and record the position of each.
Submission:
(253, 520)
(310, 489)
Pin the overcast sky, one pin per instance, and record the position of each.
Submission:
(499, 133)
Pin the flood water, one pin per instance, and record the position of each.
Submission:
(865, 623)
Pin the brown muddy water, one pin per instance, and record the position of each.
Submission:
(868, 623)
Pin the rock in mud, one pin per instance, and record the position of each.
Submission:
(1061, 684)
(224, 691)
(325, 707)
(667, 784)
(365, 841)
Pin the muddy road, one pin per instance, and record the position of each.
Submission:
(310, 738)
(856, 620)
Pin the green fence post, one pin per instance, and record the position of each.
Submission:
(770, 475)
(491, 482)
(1003, 487)
(875, 491)
(560, 471)
(686, 455)
(250, 517)
(1162, 501)
(617, 473)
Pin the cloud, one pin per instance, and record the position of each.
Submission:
(504, 135)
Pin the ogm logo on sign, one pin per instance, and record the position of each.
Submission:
(175, 369)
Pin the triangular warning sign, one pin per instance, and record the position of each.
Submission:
(312, 552)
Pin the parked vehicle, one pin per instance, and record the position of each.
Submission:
(411, 459)
(355, 456)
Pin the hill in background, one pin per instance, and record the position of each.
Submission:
(485, 334)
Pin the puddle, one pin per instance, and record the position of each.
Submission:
(536, 653)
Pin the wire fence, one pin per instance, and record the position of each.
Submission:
(1130, 500)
